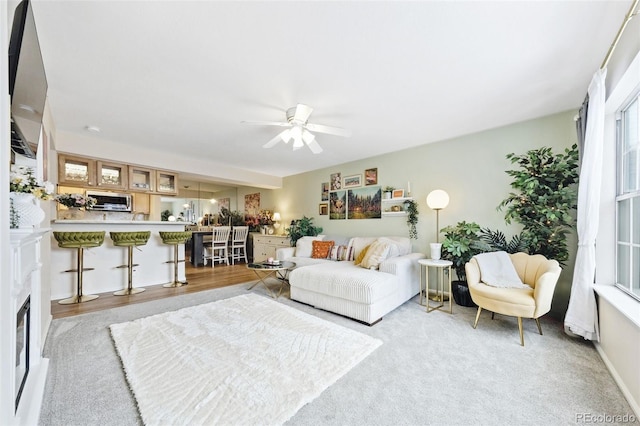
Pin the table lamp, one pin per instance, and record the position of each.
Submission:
(276, 219)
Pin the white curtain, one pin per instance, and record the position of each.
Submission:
(582, 316)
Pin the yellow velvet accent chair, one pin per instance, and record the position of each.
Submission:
(534, 270)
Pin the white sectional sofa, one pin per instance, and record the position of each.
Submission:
(348, 289)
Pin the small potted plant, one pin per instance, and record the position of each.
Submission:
(387, 191)
(411, 207)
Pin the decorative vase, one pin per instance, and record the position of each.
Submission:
(74, 213)
(436, 249)
(263, 230)
(27, 211)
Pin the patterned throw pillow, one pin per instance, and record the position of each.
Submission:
(377, 252)
(339, 253)
(361, 255)
(321, 249)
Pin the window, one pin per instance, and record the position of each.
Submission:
(628, 199)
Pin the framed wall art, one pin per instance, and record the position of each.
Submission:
(323, 209)
(371, 176)
(325, 191)
(252, 203)
(336, 181)
(352, 181)
(364, 203)
(338, 205)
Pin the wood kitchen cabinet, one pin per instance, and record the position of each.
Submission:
(141, 203)
(141, 179)
(76, 171)
(166, 182)
(111, 175)
(265, 246)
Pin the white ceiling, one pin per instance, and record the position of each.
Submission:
(181, 76)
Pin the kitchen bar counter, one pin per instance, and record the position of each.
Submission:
(118, 222)
(106, 276)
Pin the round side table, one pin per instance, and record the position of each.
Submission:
(442, 267)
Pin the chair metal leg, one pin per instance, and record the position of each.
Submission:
(538, 324)
(492, 315)
(475, 324)
(521, 332)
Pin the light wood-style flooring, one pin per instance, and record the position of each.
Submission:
(198, 278)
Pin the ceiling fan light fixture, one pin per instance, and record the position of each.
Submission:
(286, 136)
(297, 143)
(296, 132)
(300, 129)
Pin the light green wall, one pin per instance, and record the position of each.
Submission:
(470, 168)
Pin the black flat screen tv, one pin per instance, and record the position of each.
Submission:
(27, 82)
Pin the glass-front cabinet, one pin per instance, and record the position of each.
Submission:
(76, 171)
(141, 179)
(166, 182)
(111, 175)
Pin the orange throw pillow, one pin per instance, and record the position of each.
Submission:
(321, 249)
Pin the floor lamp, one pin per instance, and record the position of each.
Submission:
(437, 200)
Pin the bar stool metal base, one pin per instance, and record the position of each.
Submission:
(128, 291)
(78, 299)
(175, 284)
(174, 239)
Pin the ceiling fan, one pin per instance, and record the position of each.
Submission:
(299, 129)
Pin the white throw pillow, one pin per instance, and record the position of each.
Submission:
(394, 250)
(304, 246)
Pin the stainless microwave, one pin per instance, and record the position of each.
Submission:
(110, 201)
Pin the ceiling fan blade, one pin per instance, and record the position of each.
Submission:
(314, 147)
(267, 123)
(329, 130)
(275, 140)
(302, 113)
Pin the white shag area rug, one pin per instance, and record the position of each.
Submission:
(243, 360)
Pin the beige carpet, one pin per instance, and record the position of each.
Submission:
(242, 360)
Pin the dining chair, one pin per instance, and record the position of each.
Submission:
(219, 250)
(239, 244)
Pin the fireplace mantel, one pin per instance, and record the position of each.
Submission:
(25, 282)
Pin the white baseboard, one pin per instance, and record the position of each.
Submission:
(635, 406)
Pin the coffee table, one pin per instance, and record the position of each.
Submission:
(265, 270)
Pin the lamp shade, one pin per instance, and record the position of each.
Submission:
(437, 199)
(276, 217)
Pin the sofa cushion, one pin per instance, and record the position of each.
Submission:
(304, 246)
(306, 261)
(346, 281)
(320, 249)
(375, 254)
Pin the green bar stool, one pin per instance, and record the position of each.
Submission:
(129, 240)
(79, 241)
(175, 239)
